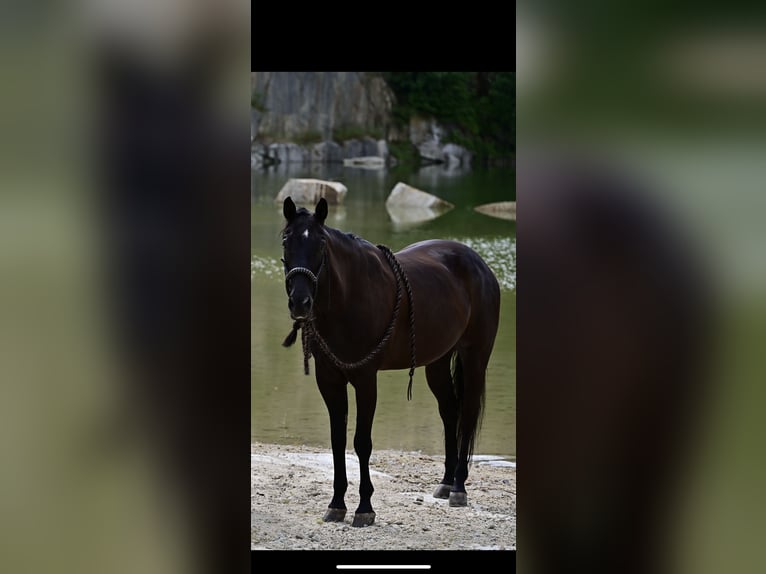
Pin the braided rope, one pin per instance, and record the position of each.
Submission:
(304, 271)
(401, 277)
(309, 331)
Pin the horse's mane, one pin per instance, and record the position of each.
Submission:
(336, 234)
(347, 237)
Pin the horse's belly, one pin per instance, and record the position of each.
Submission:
(437, 332)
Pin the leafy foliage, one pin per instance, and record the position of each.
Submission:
(345, 133)
(479, 107)
(405, 153)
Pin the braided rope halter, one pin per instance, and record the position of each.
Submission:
(309, 332)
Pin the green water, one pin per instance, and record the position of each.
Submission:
(286, 405)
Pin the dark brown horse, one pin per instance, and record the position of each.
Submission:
(363, 309)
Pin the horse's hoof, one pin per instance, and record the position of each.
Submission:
(363, 519)
(334, 515)
(442, 491)
(458, 499)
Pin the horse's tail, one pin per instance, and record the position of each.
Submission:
(470, 405)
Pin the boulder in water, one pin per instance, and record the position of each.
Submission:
(309, 191)
(407, 205)
(501, 209)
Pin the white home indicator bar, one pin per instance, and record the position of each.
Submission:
(383, 566)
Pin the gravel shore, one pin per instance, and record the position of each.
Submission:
(292, 485)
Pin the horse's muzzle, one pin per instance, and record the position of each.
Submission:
(299, 309)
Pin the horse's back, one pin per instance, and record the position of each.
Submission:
(451, 274)
(452, 258)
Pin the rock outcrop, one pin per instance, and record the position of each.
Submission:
(292, 108)
(292, 104)
(500, 209)
(403, 195)
(366, 162)
(262, 155)
(308, 191)
(407, 205)
(428, 137)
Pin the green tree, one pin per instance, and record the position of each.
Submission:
(479, 108)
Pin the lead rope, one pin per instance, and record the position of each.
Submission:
(309, 332)
(402, 277)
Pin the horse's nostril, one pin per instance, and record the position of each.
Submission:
(290, 304)
(306, 302)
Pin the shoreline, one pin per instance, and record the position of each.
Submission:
(292, 485)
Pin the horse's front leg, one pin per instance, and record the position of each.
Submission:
(332, 386)
(366, 398)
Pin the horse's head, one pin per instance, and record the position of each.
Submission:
(303, 242)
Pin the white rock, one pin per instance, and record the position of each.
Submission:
(308, 191)
(407, 206)
(500, 209)
(404, 195)
(404, 217)
(369, 162)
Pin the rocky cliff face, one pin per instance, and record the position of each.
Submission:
(293, 104)
(307, 117)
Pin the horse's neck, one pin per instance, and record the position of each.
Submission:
(342, 289)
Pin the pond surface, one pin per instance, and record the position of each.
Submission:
(286, 406)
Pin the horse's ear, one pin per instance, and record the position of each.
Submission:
(289, 209)
(320, 214)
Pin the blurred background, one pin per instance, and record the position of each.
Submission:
(124, 248)
(640, 134)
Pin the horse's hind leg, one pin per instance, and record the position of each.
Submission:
(366, 399)
(333, 390)
(440, 382)
(470, 377)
